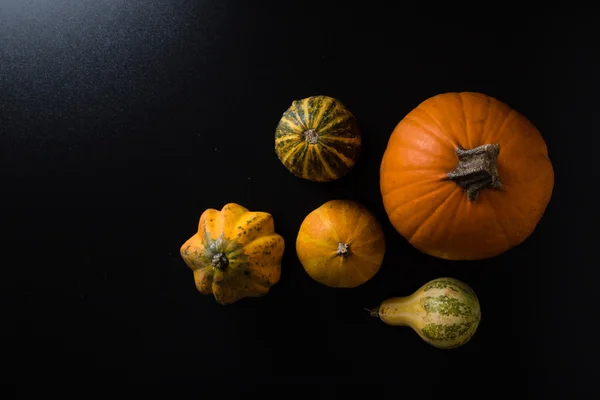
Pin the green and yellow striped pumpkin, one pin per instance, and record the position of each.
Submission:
(445, 312)
(318, 139)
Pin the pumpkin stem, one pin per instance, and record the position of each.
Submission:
(343, 249)
(220, 261)
(311, 136)
(374, 312)
(476, 169)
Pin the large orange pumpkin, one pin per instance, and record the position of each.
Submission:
(465, 177)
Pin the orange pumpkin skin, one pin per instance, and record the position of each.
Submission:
(457, 204)
(341, 244)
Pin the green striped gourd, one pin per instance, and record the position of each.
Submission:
(318, 139)
(444, 312)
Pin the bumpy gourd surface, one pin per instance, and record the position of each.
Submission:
(235, 254)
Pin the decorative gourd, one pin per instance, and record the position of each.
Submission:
(444, 312)
(465, 177)
(341, 244)
(235, 254)
(318, 139)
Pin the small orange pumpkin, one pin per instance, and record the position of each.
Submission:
(465, 177)
(341, 244)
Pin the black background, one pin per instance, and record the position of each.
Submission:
(122, 121)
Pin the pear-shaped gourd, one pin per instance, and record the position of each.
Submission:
(445, 312)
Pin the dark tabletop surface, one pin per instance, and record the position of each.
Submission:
(121, 121)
